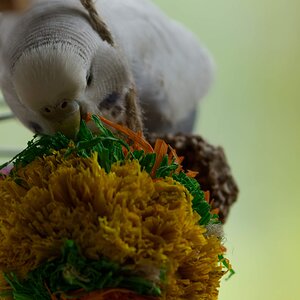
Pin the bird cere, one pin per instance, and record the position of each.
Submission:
(92, 214)
(105, 218)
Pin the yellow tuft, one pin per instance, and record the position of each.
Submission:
(124, 215)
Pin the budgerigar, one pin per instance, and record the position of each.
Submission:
(55, 68)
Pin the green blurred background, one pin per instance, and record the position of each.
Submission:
(253, 111)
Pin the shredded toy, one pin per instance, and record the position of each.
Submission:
(106, 216)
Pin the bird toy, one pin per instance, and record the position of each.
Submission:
(106, 216)
(96, 214)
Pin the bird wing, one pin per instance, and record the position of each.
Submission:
(172, 70)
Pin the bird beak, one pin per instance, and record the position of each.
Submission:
(69, 126)
(66, 118)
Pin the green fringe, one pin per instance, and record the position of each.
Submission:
(72, 272)
(200, 205)
(110, 150)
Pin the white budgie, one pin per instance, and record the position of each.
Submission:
(54, 67)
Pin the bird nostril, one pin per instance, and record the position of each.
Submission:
(60, 110)
(47, 109)
(64, 104)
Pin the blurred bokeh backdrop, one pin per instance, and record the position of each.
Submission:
(253, 111)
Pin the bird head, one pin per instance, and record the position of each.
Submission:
(62, 70)
(58, 87)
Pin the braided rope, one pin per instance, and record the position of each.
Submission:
(97, 23)
(133, 111)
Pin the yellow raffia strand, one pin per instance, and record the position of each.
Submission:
(124, 215)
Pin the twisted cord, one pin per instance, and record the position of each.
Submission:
(97, 23)
(133, 112)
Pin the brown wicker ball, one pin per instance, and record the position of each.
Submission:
(211, 163)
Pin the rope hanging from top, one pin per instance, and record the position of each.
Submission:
(97, 23)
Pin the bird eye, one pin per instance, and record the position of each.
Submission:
(112, 98)
(64, 104)
(109, 101)
(89, 78)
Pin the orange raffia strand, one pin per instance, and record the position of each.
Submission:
(223, 248)
(87, 117)
(178, 159)
(192, 174)
(53, 296)
(136, 137)
(161, 149)
(214, 211)
(207, 196)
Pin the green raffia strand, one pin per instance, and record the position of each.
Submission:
(38, 147)
(31, 290)
(223, 260)
(165, 169)
(200, 205)
(72, 272)
(108, 147)
(146, 161)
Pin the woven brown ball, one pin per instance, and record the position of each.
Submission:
(210, 161)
